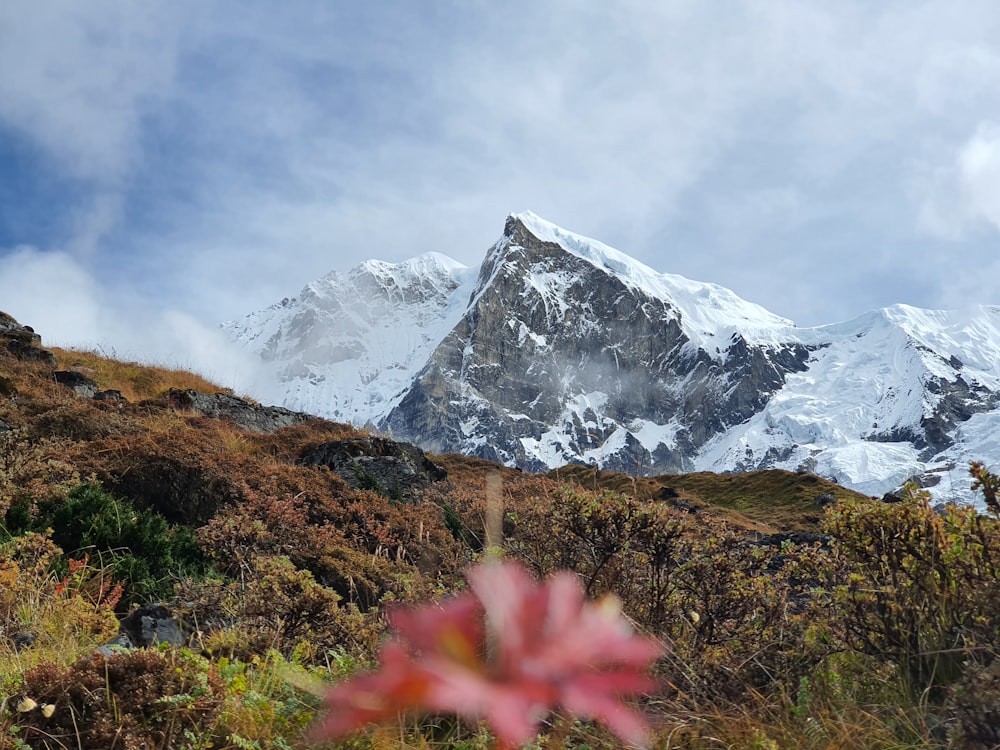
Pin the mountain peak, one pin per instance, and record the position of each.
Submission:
(709, 312)
(559, 349)
(428, 263)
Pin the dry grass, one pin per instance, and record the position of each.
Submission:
(136, 380)
(317, 538)
(763, 500)
(66, 616)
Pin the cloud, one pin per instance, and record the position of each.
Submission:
(67, 306)
(963, 194)
(230, 153)
(78, 77)
(979, 172)
(50, 292)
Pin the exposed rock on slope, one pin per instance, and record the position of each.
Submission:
(558, 359)
(249, 416)
(397, 470)
(23, 342)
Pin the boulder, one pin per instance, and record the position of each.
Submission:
(667, 493)
(154, 623)
(249, 416)
(22, 342)
(110, 395)
(824, 499)
(23, 640)
(119, 643)
(393, 469)
(77, 382)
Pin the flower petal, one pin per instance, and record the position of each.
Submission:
(399, 686)
(629, 726)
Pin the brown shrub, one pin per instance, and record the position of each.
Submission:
(276, 607)
(76, 418)
(178, 473)
(916, 587)
(32, 469)
(974, 707)
(133, 700)
(358, 544)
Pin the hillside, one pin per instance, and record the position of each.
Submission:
(262, 548)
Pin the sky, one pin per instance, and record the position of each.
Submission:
(169, 165)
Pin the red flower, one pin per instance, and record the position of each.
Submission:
(509, 651)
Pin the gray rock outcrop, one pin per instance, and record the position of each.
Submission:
(507, 371)
(77, 382)
(249, 416)
(396, 470)
(22, 341)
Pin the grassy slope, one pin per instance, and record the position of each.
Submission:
(772, 500)
(135, 380)
(765, 501)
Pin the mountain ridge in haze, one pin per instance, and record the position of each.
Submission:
(559, 349)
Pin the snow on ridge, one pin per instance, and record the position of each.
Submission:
(865, 384)
(430, 270)
(431, 262)
(971, 335)
(351, 343)
(710, 313)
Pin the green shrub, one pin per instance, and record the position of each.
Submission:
(917, 587)
(138, 547)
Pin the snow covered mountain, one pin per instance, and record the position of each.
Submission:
(561, 349)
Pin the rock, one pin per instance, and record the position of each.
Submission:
(121, 642)
(519, 365)
(154, 623)
(110, 395)
(76, 381)
(393, 469)
(891, 497)
(22, 342)
(824, 499)
(671, 496)
(7, 387)
(249, 416)
(23, 640)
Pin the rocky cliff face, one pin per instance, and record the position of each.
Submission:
(559, 349)
(556, 359)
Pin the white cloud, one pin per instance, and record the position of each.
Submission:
(964, 193)
(69, 307)
(52, 293)
(979, 172)
(239, 150)
(77, 75)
